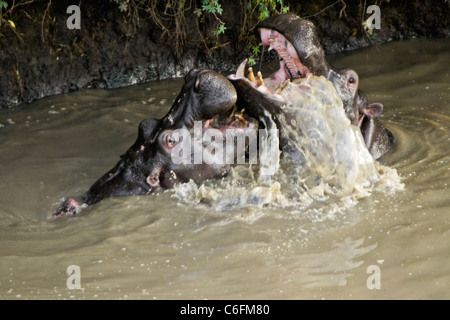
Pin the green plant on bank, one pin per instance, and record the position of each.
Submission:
(172, 16)
(266, 8)
(10, 23)
(215, 8)
(256, 51)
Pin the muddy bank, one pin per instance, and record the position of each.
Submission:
(127, 42)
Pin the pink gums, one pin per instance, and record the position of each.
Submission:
(290, 65)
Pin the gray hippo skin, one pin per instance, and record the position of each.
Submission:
(212, 99)
(298, 47)
(377, 138)
(207, 98)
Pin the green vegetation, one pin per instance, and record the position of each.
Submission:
(3, 21)
(172, 17)
(263, 9)
(215, 8)
(266, 8)
(203, 25)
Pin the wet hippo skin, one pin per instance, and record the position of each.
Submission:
(207, 100)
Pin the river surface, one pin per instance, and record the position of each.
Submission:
(188, 244)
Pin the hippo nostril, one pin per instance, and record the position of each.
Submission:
(153, 180)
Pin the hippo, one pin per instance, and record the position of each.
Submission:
(205, 103)
(377, 138)
(210, 101)
(301, 55)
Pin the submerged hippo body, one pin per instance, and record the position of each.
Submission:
(301, 55)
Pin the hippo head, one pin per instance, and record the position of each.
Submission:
(297, 44)
(161, 155)
(300, 55)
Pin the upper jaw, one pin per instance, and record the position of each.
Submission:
(291, 66)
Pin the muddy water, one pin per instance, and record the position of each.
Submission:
(187, 244)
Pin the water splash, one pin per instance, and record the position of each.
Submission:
(333, 149)
(324, 169)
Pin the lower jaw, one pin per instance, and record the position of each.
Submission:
(236, 121)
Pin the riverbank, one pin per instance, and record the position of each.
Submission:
(121, 43)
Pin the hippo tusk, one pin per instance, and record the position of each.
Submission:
(240, 72)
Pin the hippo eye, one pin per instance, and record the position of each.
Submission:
(169, 140)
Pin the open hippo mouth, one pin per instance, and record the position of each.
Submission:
(230, 120)
(299, 53)
(301, 57)
(209, 98)
(298, 61)
(298, 47)
(306, 100)
(291, 66)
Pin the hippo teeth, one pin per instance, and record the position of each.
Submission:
(223, 121)
(241, 69)
(289, 71)
(258, 80)
(282, 86)
(251, 75)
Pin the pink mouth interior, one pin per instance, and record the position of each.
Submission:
(290, 64)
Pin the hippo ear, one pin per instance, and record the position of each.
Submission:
(145, 131)
(146, 128)
(373, 110)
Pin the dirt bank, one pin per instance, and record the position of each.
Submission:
(124, 42)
